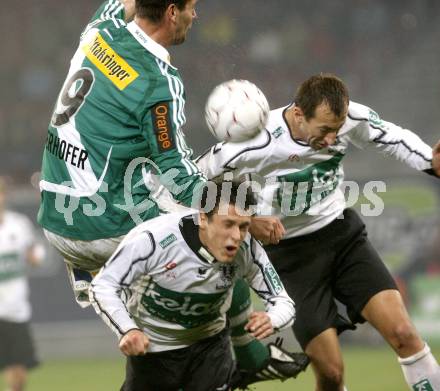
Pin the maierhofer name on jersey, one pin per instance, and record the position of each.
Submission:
(66, 151)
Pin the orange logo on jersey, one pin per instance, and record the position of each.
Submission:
(162, 127)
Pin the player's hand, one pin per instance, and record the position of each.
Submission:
(436, 158)
(259, 325)
(134, 343)
(266, 229)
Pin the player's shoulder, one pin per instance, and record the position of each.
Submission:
(160, 228)
(358, 111)
(277, 126)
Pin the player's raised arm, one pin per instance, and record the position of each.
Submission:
(390, 139)
(264, 280)
(171, 157)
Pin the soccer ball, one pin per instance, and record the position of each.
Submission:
(236, 110)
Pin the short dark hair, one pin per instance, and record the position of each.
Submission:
(154, 10)
(234, 192)
(320, 88)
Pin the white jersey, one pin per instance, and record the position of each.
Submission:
(163, 281)
(16, 237)
(302, 186)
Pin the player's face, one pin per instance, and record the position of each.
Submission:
(222, 234)
(322, 129)
(184, 19)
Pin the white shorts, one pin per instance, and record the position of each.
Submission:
(83, 260)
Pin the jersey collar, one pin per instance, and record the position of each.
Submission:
(190, 232)
(148, 43)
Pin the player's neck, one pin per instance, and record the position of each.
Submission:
(156, 32)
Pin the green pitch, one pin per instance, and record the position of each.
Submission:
(366, 369)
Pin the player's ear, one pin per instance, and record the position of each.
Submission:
(171, 12)
(203, 220)
(298, 113)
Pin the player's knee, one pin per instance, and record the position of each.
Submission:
(330, 373)
(332, 377)
(403, 336)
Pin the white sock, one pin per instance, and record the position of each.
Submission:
(421, 371)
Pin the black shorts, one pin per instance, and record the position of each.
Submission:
(206, 365)
(335, 262)
(16, 345)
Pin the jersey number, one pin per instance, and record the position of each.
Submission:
(73, 103)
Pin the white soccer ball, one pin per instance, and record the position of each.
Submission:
(236, 110)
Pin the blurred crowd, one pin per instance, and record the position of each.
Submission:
(274, 43)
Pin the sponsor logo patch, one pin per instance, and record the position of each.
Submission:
(162, 126)
(423, 385)
(112, 66)
(167, 241)
(273, 279)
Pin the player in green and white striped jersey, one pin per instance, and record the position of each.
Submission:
(122, 102)
(118, 119)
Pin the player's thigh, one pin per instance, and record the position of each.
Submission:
(360, 275)
(83, 254)
(211, 366)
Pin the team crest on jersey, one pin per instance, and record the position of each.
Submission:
(227, 276)
(294, 158)
(202, 272)
(112, 66)
(170, 265)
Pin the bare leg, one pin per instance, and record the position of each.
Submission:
(326, 359)
(15, 377)
(386, 312)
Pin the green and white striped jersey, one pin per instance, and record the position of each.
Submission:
(304, 187)
(117, 121)
(16, 238)
(163, 281)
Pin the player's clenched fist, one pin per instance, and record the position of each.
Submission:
(134, 343)
(269, 230)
